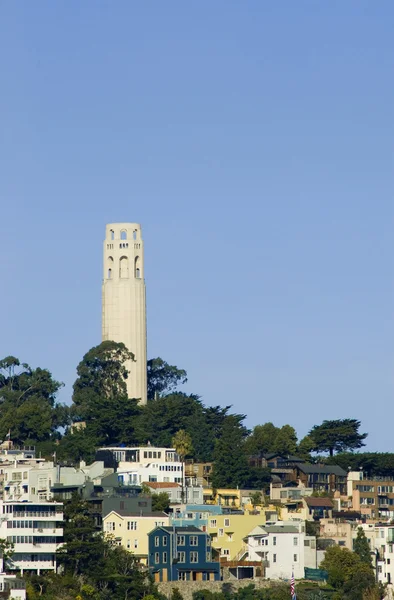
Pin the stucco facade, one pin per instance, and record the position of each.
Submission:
(124, 300)
(131, 530)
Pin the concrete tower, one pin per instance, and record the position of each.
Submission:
(124, 302)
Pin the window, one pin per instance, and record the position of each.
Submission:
(295, 557)
(193, 557)
(227, 522)
(274, 558)
(341, 543)
(208, 557)
(157, 558)
(225, 552)
(295, 541)
(123, 235)
(164, 557)
(165, 541)
(183, 576)
(157, 541)
(135, 543)
(229, 537)
(274, 541)
(180, 540)
(110, 526)
(134, 234)
(181, 557)
(220, 533)
(193, 540)
(132, 525)
(112, 234)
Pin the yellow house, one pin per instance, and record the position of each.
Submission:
(224, 497)
(228, 532)
(131, 530)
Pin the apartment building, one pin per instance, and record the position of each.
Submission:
(198, 473)
(36, 530)
(131, 530)
(384, 553)
(372, 497)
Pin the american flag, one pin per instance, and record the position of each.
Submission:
(292, 587)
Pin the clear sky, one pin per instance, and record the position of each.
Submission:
(254, 143)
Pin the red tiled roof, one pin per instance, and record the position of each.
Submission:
(316, 502)
(161, 484)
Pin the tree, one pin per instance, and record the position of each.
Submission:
(163, 378)
(182, 442)
(29, 410)
(361, 547)
(230, 468)
(100, 395)
(160, 502)
(344, 567)
(305, 448)
(262, 439)
(285, 441)
(337, 436)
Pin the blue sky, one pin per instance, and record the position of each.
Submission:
(254, 143)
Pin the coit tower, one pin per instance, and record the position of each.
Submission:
(124, 300)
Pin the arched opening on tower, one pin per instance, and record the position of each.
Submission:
(134, 234)
(109, 274)
(137, 271)
(112, 234)
(124, 267)
(123, 234)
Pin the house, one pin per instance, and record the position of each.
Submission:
(318, 508)
(282, 548)
(195, 514)
(36, 530)
(198, 473)
(131, 530)
(228, 531)
(322, 478)
(189, 494)
(147, 463)
(181, 554)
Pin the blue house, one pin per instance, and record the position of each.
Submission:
(181, 554)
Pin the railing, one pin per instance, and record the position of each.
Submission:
(241, 553)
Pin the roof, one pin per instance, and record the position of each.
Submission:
(281, 529)
(188, 529)
(318, 502)
(128, 513)
(334, 469)
(161, 484)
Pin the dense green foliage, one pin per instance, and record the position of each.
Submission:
(29, 411)
(163, 378)
(371, 463)
(337, 436)
(361, 547)
(348, 573)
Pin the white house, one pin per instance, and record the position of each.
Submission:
(36, 530)
(139, 464)
(281, 547)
